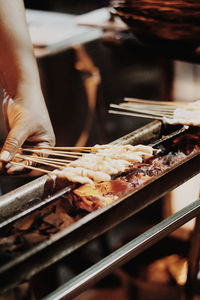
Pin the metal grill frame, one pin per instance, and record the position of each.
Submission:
(90, 226)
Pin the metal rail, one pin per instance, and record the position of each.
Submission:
(193, 262)
(40, 204)
(30, 196)
(89, 277)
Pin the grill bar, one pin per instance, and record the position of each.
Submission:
(89, 277)
(32, 193)
(16, 200)
(91, 226)
(36, 205)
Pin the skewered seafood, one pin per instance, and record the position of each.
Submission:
(82, 175)
(169, 112)
(100, 166)
(101, 163)
(91, 197)
(188, 114)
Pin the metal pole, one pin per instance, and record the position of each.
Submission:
(87, 278)
(193, 261)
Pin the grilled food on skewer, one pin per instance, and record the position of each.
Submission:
(105, 173)
(188, 115)
(169, 112)
(104, 163)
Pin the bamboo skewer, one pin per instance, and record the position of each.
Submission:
(57, 160)
(162, 103)
(38, 160)
(146, 106)
(33, 159)
(61, 148)
(132, 114)
(83, 149)
(30, 167)
(169, 112)
(45, 159)
(52, 162)
(68, 154)
(49, 162)
(143, 111)
(54, 153)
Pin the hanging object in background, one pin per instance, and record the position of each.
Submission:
(161, 20)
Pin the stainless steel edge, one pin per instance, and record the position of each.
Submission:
(89, 277)
(143, 134)
(16, 199)
(91, 226)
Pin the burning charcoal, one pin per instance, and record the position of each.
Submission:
(60, 214)
(154, 171)
(25, 223)
(51, 230)
(44, 228)
(7, 242)
(51, 208)
(53, 219)
(67, 220)
(33, 238)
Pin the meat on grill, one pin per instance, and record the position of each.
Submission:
(107, 161)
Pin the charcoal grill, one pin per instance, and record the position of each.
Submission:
(45, 189)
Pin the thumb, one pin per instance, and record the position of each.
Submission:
(14, 140)
(5, 105)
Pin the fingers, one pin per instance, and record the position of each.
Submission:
(14, 140)
(32, 160)
(15, 169)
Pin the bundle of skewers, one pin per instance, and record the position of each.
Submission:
(166, 111)
(83, 164)
(89, 165)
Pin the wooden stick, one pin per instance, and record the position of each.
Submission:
(144, 111)
(30, 167)
(55, 153)
(147, 106)
(84, 149)
(46, 151)
(134, 114)
(61, 148)
(26, 157)
(54, 159)
(173, 103)
(149, 112)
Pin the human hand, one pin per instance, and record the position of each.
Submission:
(26, 121)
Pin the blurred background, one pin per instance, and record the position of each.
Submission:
(123, 70)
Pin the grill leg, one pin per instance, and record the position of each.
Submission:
(193, 262)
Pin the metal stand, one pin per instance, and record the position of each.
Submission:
(89, 277)
(193, 262)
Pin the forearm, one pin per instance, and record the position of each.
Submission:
(18, 67)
